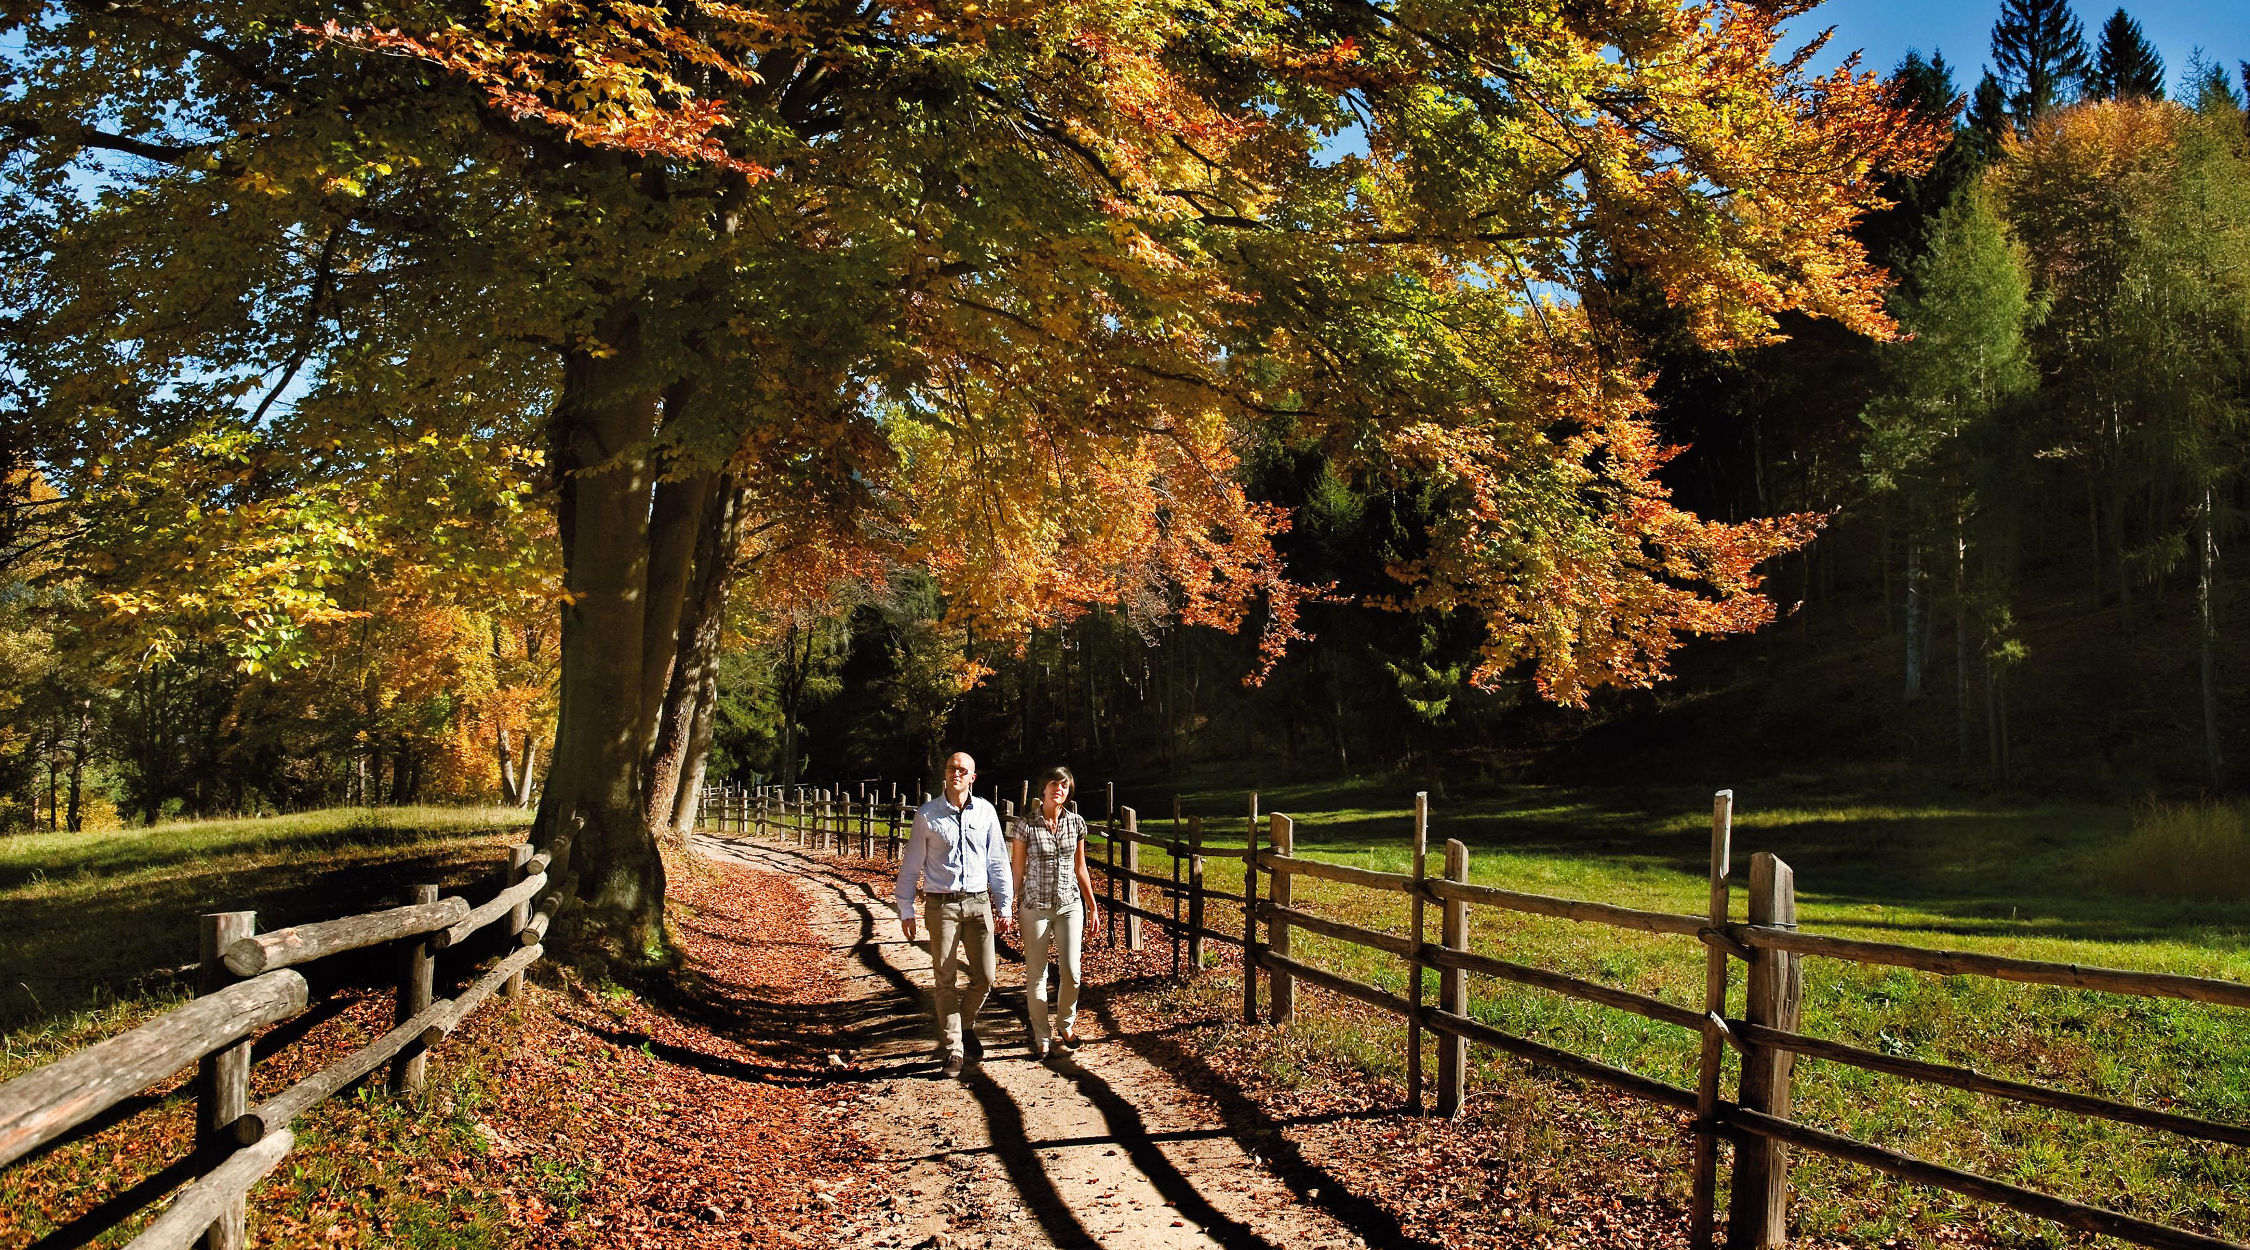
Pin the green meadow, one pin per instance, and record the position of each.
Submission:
(2154, 888)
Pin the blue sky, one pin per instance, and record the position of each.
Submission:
(1885, 29)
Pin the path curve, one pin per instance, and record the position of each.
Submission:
(1104, 1150)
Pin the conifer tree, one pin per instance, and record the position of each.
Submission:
(2124, 63)
(1987, 119)
(2039, 49)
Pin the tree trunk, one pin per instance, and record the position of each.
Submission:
(698, 753)
(1960, 635)
(601, 432)
(509, 795)
(524, 785)
(2206, 572)
(2115, 516)
(793, 667)
(78, 750)
(693, 678)
(1914, 613)
(676, 525)
(1997, 750)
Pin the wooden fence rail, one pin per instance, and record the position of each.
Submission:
(247, 981)
(1766, 1034)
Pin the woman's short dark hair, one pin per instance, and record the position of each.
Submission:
(1061, 774)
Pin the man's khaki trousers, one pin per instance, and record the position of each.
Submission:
(960, 940)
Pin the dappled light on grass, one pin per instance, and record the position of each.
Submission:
(104, 918)
(2186, 850)
(49, 859)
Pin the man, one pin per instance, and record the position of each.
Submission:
(957, 859)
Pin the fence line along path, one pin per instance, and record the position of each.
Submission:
(248, 980)
(1769, 950)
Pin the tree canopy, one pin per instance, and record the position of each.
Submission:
(796, 294)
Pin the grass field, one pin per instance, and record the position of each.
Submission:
(96, 919)
(99, 920)
(1875, 859)
(102, 934)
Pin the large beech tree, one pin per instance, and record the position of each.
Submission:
(798, 292)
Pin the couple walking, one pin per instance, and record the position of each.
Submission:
(970, 878)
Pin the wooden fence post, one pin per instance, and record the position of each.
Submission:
(1195, 894)
(1109, 872)
(1758, 1214)
(518, 915)
(1250, 917)
(417, 984)
(1453, 987)
(1173, 852)
(1414, 961)
(1281, 987)
(1132, 858)
(1704, 1211)
(222, 1078)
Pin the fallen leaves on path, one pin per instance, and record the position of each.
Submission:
(705, 1116)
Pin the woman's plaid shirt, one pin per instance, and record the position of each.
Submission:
(1050, 859)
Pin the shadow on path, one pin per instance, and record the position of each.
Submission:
(1249, 1124)
(1033, 1114)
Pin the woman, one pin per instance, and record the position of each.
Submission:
(1055, 904)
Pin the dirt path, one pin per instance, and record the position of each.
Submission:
(1105, 1150)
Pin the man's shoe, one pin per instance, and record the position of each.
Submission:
(972, 1045)
(953, 1064)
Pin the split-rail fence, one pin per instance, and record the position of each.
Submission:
(246, 981)
(1765, 1034)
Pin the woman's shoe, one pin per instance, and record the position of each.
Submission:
(1068, 1040)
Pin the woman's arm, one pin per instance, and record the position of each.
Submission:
(1015, 863)
(1093, 911)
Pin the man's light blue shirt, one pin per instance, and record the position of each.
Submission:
(956, 850)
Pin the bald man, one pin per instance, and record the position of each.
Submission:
(957, 862)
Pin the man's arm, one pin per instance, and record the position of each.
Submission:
(1000, 883)
(910, 873)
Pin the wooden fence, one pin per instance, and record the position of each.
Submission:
(246, 981)
(1766, 1033)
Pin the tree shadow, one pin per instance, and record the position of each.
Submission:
(1126, 1128)
(1253, 1127)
